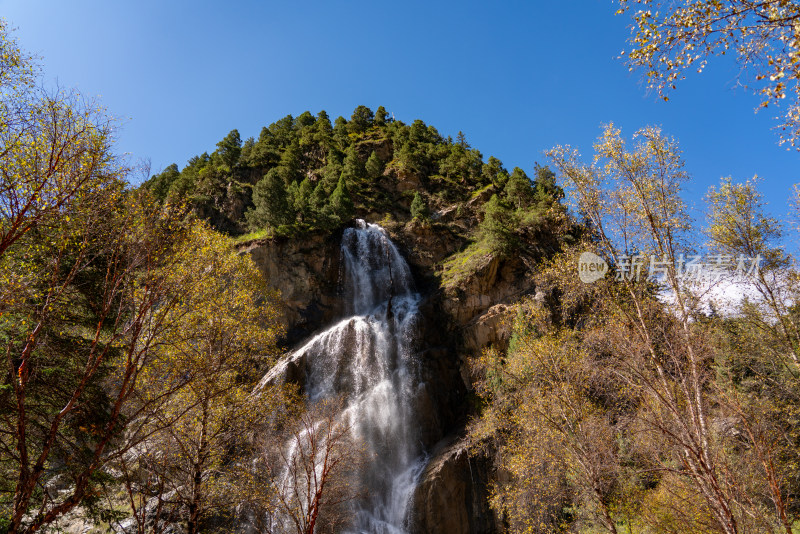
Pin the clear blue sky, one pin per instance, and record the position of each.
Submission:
(515, 77)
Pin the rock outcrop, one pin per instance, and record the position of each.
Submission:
(459, 322)
(306, 272)
(452, 496)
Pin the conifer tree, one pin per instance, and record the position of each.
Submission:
(305, 119)
(229, 149)
(361, 120)
(494, 172)
(497, 226)
(353, 170)
(161, 183)
(271, 202)
(374, 166)
(407, 159)
(381, 116)
(340, 132)
(302, 199)
(323, 130)
(319, 199)
(419, 208)
(330, 176)
(546, 190)
(291, 163)
(341, 205)
(292, 193)
(519, 189)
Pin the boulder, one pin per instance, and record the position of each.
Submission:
(490, 329)
(452, 495)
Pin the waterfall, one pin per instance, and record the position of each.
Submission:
(368, 359)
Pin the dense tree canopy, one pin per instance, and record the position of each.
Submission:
(237, 187)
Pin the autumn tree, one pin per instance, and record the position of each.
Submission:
(86, 302)
(93, 293)
(671, 38)
(739, 227)
(53, 146)
(552, 412)
(764, 341)
(631, 197)
(225, 328)
(78, 261)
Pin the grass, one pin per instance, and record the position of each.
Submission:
(477, 192)
(461, 265)
(252, 236)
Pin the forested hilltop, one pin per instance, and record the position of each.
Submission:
(304, 173)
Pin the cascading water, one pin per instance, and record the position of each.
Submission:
(368, 359)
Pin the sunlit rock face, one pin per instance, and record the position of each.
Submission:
(369, 358)
(369, 322)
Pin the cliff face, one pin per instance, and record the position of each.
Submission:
(460, 319)
(306, 272)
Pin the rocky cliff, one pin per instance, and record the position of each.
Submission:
(462, 316)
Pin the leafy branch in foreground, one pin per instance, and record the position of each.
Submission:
(671, 38)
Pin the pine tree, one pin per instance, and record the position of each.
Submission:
(381, 116)
(161, 183)
(545, 186)
(494, 172)
(302, 200)
(291, 164)
(361, 120)
(304, 120)
(419, 208)
(340, 132)
(334, 156)
(461, 140)
(353, 170)
(341, 205)
(497, 226)
(292, 192)
(229, 149)
(319, 199)
(408, 160)
(330, 176)
(271, 202)
(519, 189)
(374, 166)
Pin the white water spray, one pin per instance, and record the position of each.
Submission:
(368, 359)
